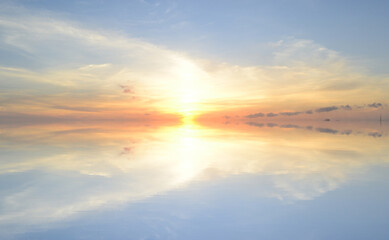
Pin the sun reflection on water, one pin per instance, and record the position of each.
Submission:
(123, 164)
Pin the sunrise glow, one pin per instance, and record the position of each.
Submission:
(187, 120)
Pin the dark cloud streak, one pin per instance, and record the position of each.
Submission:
(326, 109)
(375, 105)
(256, 115)
(255, 124)
(346, 107)
(271, 114)
(79, 109)
(290, 113)
(327, 130)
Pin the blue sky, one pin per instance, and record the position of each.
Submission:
(237, 31)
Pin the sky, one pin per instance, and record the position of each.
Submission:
(268, 82)
(56, 173)
(166, 60)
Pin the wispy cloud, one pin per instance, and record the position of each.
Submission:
(126, 88)
(73, 62)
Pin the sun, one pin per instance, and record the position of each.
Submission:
(187, 116)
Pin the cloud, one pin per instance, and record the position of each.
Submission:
(75, 131)
(271, 114)
(375, 134)
(60, 57)
(79, 109)
(290, 113)
(78, 63)
(327, 130)
(126, 88)
(255, 115)
(126, 150)
(346, 132)
(326, 109)
(255, 124)
(346, 107)
(295, 51)
(375, 105)
(290, 126)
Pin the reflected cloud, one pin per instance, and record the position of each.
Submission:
(255, 124)
(347, 132)
(327, 130)
(72, 170)
(256, 115)
(375, 134)
(358, 131)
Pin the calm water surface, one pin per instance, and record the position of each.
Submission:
(247, 180)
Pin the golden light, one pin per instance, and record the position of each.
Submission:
(192, 88)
